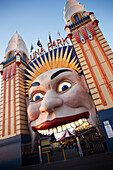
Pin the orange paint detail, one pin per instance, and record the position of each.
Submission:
(14, 68)
(72, 17)
(9, 71)
(93, 76)
(4, 73)
(14, 109)
(100, 68)
(104, 54)
(4, 97)
(9, 99)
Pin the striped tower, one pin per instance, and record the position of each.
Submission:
(13, 116)
(96, 59)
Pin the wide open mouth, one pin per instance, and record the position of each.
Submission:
(59, 124)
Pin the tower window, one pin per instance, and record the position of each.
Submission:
(24, 56)
(10, 55)
(76, 18)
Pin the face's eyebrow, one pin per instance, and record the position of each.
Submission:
(58, 72)
(34, 84)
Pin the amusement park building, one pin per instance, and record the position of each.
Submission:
(96, 59)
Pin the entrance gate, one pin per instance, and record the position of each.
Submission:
(91, 143)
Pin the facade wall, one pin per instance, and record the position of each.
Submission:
(20, 102)
(13, 115)
(96, 59)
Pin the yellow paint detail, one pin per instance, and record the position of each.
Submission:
(49, 56)
(11, 108)
(53, 56)
(30, 72)
(107, 96)
(46, 62)
(12, 125)
(95, 96)
(38, 63)
(32, 68)
(98, 75)
(90, 58)
(85, 46)
(108, 52)
(93, 90)
(93, 43)
(57, 58)
(107, 71)
(99, 54)
(97, 102)
(6, 127)
(68, 58)
(99, 108)
(65, 55)
(36, 67)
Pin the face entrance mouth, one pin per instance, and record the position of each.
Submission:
(61, 124)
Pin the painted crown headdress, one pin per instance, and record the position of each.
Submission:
(62, 57)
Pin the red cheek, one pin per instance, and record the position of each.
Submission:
(33, 111)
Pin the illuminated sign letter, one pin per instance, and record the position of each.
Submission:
(59, 42)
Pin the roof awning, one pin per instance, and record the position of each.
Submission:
(66, 134)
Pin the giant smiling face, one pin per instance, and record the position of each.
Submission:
(57, 97)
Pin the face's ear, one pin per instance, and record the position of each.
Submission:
(32, 133)
(84, 84)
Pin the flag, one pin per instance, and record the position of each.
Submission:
(58, 33)
(31, 47)
(50, 38)
(39, 43)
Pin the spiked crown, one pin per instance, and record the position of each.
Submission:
(63, 57)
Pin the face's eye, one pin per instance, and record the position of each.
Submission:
(63, 86)
(37, 96)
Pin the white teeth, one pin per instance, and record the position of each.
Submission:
(59, 128)
(63, 127)
(54, 130)
(80, 121)
(68, 126)
(50, 131)
(72, 125)
(84, 119)
(40, 131)
(44, 132)
(76, 123)
(47, 132)
(75, 126)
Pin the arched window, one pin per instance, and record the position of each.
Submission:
(76, 18)
(24, 56)
(10, 55)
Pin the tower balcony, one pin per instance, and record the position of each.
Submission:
(78, 23)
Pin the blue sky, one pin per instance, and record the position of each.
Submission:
(34, 19)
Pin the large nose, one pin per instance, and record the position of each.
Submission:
(50, 102)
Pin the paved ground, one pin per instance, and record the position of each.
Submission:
(93, 162)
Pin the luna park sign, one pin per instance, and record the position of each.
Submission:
(57, 43)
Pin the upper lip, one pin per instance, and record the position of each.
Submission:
(59, 121)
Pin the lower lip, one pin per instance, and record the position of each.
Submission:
(59, 121)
